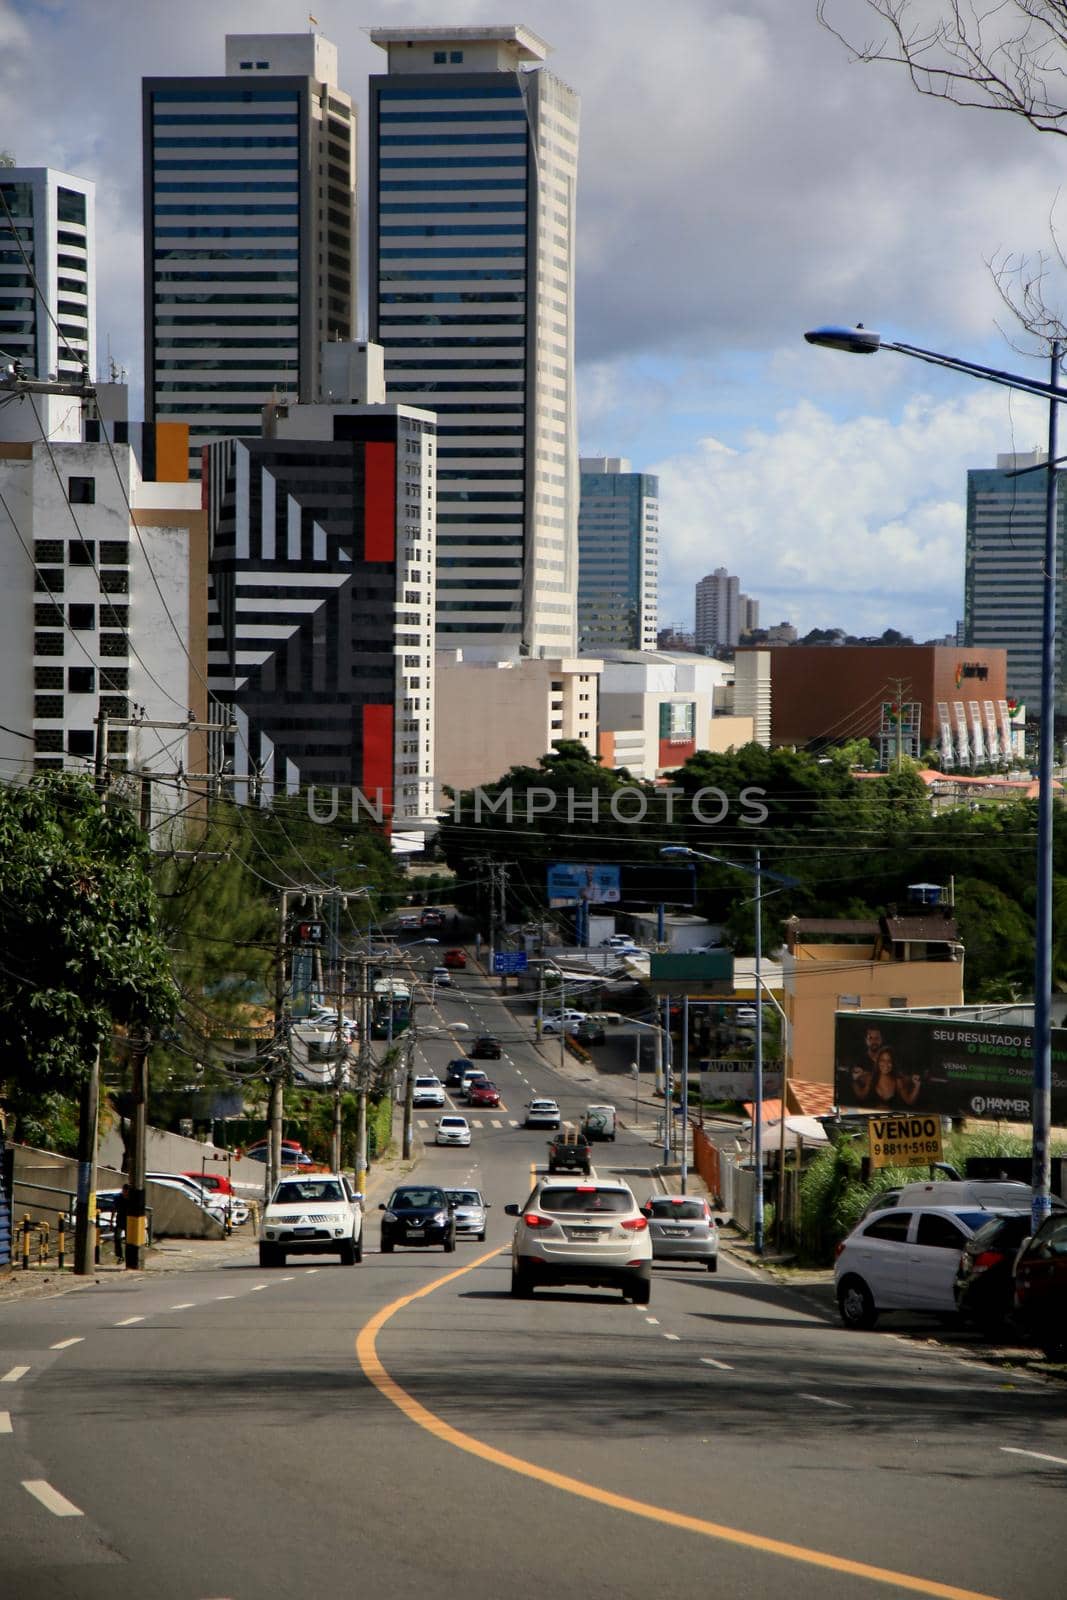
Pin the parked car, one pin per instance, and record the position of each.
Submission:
(542, 1113)
(590, 1032)
(457, 959)
(106, 1202)
(211, 1180)
(318, 1214)
(213, 1204)
(615, 940)
(480, 1092)
(1000, 1194)
(554, 1021)
(456, 1069)
(428, 1090)
(469, 1207)
(1041, 1287)
(903, 1259)
(985, 1278)
(682, 1228)
(745, 1016)
(452, 1130)
(486, 1048)
(441, 978)
(582, 1231)
(417, 1214)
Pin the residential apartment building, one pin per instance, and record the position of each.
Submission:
(718, 618)
(250, 233)
(473, 169)
(47, 272)
(618, 556)
(658, 709)
(492, 715)
(103, 600)
(1004, 570)
(747, 614)
(322, 595)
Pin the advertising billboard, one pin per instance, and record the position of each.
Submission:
(572, 885)
(904, 1141)
(950, 1067)
(659, 883)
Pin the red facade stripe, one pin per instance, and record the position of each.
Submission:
(378, 757)
(379, 503)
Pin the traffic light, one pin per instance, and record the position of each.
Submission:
(308, 933)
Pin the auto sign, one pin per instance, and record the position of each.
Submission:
(904, 1141)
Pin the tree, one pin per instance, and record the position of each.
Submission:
(1010, 56)
(80, 932)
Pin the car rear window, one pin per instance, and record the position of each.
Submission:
(585, 1198)
(688, 1210)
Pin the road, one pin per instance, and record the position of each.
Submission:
(406, 1429)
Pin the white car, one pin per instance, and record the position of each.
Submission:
(211, 1202)
(428, 1090)
(318, 1214)
(452, 1130)
(585, 1231)
(904, 1259)
(542, 1113)
(441, 978)
(616, 941)
(552, 1021)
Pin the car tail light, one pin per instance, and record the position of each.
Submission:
(533, 1220)
(838, 1248)
(586, 1188)
(987, 1258)
(677, 1201)
(635, 1224)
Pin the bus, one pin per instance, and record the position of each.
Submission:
(390, 1008)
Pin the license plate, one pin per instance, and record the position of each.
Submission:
(674, 1233)
(589, 1235)
(416, 1233)
(303, 1233)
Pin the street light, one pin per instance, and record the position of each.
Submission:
(864, 341)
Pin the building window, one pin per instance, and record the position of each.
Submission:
(48, 644)
(81, 680)
(49, 739)
(114, 553)
(848, 1001)
(82, 552)
(81, 491)
(48, 580)
(898, 1002)
(455, 56)
(82, 616)
(48, 706)
(80, 742)
(48, 550)
(439, 58)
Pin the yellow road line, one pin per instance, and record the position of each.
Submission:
(369, 1360)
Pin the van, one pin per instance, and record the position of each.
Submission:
(599, 1122)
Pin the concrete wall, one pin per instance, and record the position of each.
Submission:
(172, 1152)
(38, 1172)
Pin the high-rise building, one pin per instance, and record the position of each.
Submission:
(473, 167)
(249, 227)
(1004, 570)
(747, 614)
(718, 611)
(618, 556)
(322, 589)
(47, 272)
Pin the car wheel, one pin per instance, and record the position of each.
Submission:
(387, 1247)
(713, 1264)
(521, 1283)
(856, 1304)
(268, 1256)
(348, 1254)
(640, 1292)
(481, 1237)
(357, 1253)
(450, 1242)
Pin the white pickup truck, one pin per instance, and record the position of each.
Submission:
(320, 1214)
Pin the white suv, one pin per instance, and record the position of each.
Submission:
(904, 1259)
(582, 1230)
(320, 1214)
(428, 1091)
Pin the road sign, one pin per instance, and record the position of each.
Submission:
(509, 961)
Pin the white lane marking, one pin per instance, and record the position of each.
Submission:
(65, 1344)
(495, 1122)
(1013, 1450)
(709, 1361)
(821, 1400)
(14, 1375)
(5, 1422)
(653, 1320)
(225, 1297)
(184, 1305)
(512, 1123)
(674, 1336)
(309, 1272)
(288, 1279)
(50, 1498)
(256, 1287)
(128, 1322)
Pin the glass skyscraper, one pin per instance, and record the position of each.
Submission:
(249, 199)
(473, 167)
(618, 556)
(47, 235)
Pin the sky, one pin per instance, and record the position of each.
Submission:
(741, 180)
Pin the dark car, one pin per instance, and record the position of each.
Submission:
(456, 1069)
(589, 1032)
(487, 1049)
(418, 1214)
(985, 1283)
(432, 919)
(569, 1152)
(1041, 1287)
(482, 1093)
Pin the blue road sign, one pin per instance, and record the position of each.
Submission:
(506, 962)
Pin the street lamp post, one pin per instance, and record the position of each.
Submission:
(864, 341)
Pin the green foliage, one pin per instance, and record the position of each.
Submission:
(80, 932)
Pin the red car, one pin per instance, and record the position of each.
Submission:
(455, 958)
(211, 1180)
(483, 1093)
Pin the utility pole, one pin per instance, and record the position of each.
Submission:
(668, 1084)
(281, 1038)
(339, 1068)
(503, 880)
(684, 1126)
(136, 1211)
(363, 1068)
(89, 1105)
(407, 1142)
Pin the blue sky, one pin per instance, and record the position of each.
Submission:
(740, 180)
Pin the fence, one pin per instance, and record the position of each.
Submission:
(732, 1187)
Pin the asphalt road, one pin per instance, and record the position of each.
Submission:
(405, 1429)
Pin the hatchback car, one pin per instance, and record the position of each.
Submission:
(542, 1114)
(471, 1075)
(452, 1130)
(428, 1090)
(456, 1069)
(1041, 1287)
(553, 1022)
(417, 1214)
(441, 978)
(985, 1281)
(470, 1207)
(457, 959)
(480, 1092)
(904, 1259)
(487, 1048)
(585, 1232)
(682, 1228)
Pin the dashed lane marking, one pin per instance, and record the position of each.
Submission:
(256, 1287)
(5, 1422)
(14, 1375)
(416, 1412)
(512, 1123)
(184, 1305)
(128, 1322)
(495, 1122)
(709, 1361)
(225, 1297)
(65, 1344)
(674, 1336)
(653, 1320)
(50, 1498)
(821, 1400)
(1036, 1455)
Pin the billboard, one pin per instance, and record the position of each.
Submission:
(953, 1068)
(572, 885)
(904, 1141)
(659, 883)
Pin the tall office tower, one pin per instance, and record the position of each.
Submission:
(47, 271)
(1003, 575)
(747, 614)
(618, 556)
(473, 166)
(250, 233)
(717, 611)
